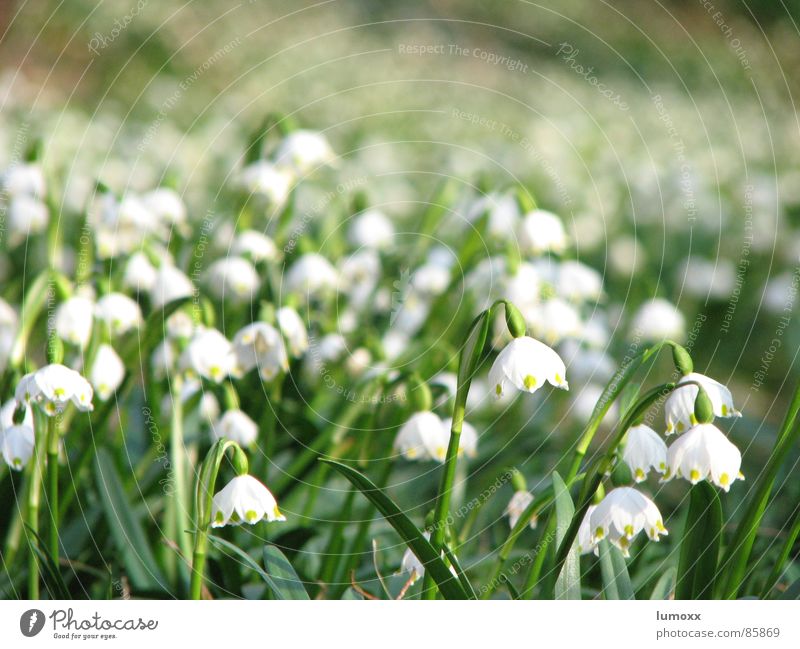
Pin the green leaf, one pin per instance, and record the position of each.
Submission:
(283, 573)
(663, 588)
(251, 563)
(616, 581)
(697, 565)
(126, 529)
(462, 577)
(568, 582)
(448, 585)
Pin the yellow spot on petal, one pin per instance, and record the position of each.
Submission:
(219, 517)
(215, 371)
(599, 533)
(724, 410)
(629, 531)
(662, 466)
(411, 453)
(640, 474)
(624, 543)
(530, 382)
(498, 389)
(251, 516)
(680, 426)
(724, 480)
(59, 392)
(660, 526)
(441, 451)
(559, 380)
(693, 419)
(694, 475)
(277, 512)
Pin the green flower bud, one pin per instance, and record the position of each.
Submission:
(514, 321)
(518, 480)
(239, 461)
(598, 495)
(703, 408)
(682, 359)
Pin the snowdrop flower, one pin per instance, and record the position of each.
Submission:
(503, 212)
(704, 453)
(107, 371)
(371, 229)
(119, 312)
(705, 278)
(526, 364)
(24, 180)
(293, 330)
(578, 282)
(305, 150)
(9, 322)
(311, 274)
(73, 320)
(16, 440)
(467, 443)
(541, 231)
(554, 320)
(585, 400)
(234, 278)
(359, 275)
(244, 500)
(679, 407)
(524, 287)
(265, 179)
(644, 450)
(162, 360)
(622, 514)
(586, 541)
(519, 502)
(410, 312)
(26, 216)
(260, 345)
(259, 247)
(358, 362)
(394, 343)
(209, 354)
(236, 426)
(180, 326)
(53, 387)
(430, 280)
(586, 364)
(167, 206)
(420, 438)
(411, 565)
(170, 284)
(140, 274)
(659, 320)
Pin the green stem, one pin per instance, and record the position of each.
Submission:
(777, 569)
(177, 450)
(52, 484)
(36, 477)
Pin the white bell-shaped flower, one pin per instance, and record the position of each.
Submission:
(526, 364)
(586, 540)
(430, 280)
(305, 150)
(519, 502)
(554, 320)
(236, 426)
(168, 208)
(644, 450)
(578, 282)
(704, 453)
(24, 180)
(140, 274)
(16, 440)
(244, 500)
(265, 179)
(209, 354)
(53, 387)
(73, 320)
(421, 437)
(255, 245)
(524, 287)
(541, 231)
(119, 312)
(358, 276)
(622, 514)
(371, 229)
(26, 216)
(679, 407)
(170, 284)
(412, 566)
(311, 275)
(233, 278)
(260, 345)
(107, 372)
(294, 331)
(658, 320)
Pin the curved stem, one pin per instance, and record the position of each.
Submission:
(52, 484)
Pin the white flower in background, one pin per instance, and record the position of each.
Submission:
(255, 245)
(503, 214)
(704, 278)
(467, 443)
(358, 362)
(371, 229)
(412, 566)
(410, 311)
(170, 284)
(162, 360)
(9, 322)
(236, 426)
(704, 453)
(779, 292)
(140, 274)
(260, 345)
(16, 440)
(519, 502)
(420, 437)
(168, 208)
(578, 282)
(305, 150)
(53, 387)
(180, 326)
(209, 354)
(265, 179)
(554, 320)
(358, 276)
(586, 540)
(394, 343)
(26, 216)
(622, 514)
(107, 371)
(524, 287)
(24, 180)
(233, 278)
(626, 256)
(644, 450)
(293, 330)
(541, 231)
(448, 381)
(584, 401)
(527, 364)
(311, 274)
(659, 320)
(244, 500)
(74, 319)
(119, 312)
(123, 225)
(679, 407)
(430, 280)
(586, 364)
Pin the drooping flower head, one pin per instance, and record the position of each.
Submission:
(526, 364)
(53, 387)
(519, 502)
(244, 500)
(704, 453)
(679, 407)
(622, 514)
(644, 450)
(16, 439)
